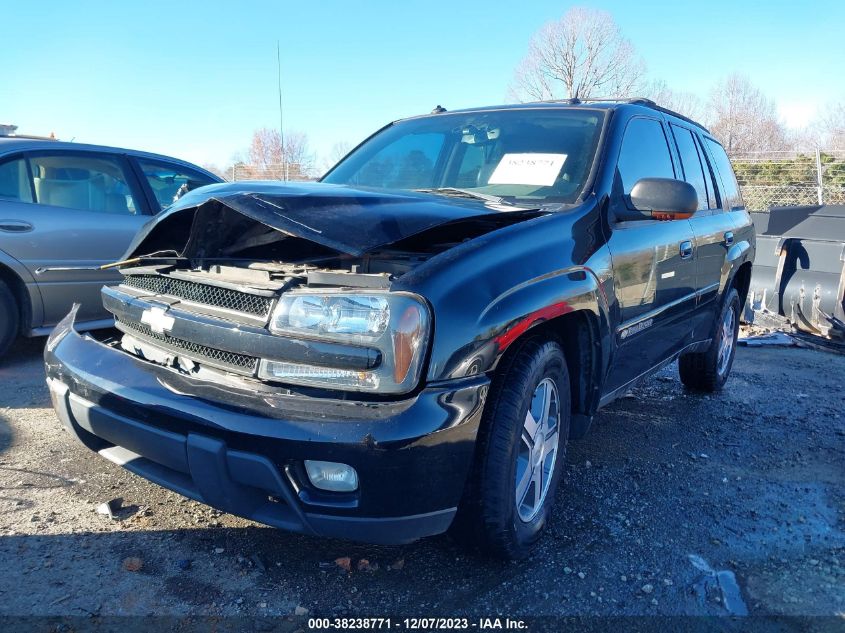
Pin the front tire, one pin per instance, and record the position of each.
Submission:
(9, 318)
(707, 371)
(521, 451)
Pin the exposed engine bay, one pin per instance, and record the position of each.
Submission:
(287, 236)
(292, 289)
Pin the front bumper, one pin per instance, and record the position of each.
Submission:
(239, 446)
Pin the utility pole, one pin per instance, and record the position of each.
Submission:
(819, 180)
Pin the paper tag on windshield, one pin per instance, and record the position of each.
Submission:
(527, 169)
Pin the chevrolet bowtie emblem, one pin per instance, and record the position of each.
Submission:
(158, 320)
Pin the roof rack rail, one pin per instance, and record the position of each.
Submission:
(643, 101)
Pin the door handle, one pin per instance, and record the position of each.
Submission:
(686, 249)
(15, 226)
(729, 238)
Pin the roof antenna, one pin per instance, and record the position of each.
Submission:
(438, 110)
(281, 120)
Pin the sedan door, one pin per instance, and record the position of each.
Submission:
(81, 210)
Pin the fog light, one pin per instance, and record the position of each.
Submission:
(331, 476)
(317, 376)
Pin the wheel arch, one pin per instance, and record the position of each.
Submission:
(568, 307)
(21, 293)
(742, 282)
(579, 335)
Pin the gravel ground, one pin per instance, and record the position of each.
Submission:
(675, 503)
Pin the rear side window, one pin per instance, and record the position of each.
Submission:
(731, 198)
(644, 153)
(691, 162)
(14, 181)
(169, 181)
(93, 182)
(707, 164)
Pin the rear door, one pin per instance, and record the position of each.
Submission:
(653, 263)
(79, 209)
(711, 223)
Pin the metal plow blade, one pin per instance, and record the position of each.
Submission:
(798, 281)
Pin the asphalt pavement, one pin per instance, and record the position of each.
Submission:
(675, 504)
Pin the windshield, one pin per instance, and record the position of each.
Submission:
(528, 155)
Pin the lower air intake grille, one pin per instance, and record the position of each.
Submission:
(201, 293)
(219, 357)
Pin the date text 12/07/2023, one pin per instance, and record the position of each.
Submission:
(416, 624)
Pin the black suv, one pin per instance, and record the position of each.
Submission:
(409, 344)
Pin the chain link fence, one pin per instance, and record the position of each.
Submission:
(767, 179)
(289, 171)
(778, 179)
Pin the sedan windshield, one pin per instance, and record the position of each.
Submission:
(523, 156)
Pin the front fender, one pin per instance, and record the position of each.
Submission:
(513, 313)
(487, 292)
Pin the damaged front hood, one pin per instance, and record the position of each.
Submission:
(347, 219)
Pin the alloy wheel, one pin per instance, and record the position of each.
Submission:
(538, 449)
(726, 343)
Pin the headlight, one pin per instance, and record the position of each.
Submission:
(396, 325)
(350, 314)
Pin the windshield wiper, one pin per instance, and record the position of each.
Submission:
(455, 192)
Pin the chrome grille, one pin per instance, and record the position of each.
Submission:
(202, 293)
(231, 360)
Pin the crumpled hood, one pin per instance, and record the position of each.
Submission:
(347, 219)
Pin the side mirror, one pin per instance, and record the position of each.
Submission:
(662, 199)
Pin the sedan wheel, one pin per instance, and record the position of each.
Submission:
(9, 317)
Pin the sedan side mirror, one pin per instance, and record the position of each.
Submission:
(662, 199)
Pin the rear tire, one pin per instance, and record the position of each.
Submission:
(521, 452)
(10, 318)
(708, 371)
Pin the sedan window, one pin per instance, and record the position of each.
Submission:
(86, 182)
(170, 181)
(14, 181)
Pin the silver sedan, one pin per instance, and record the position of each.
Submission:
(65, 210)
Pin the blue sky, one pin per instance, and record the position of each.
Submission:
(194, 79)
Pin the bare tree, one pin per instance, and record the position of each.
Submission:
(265, 150)
(214, 169)
(685, 103)
(584, 54)
(831, 126)
(298, 156)
(743, 118)
(803, 139)
(338, 151)
(269, 158)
